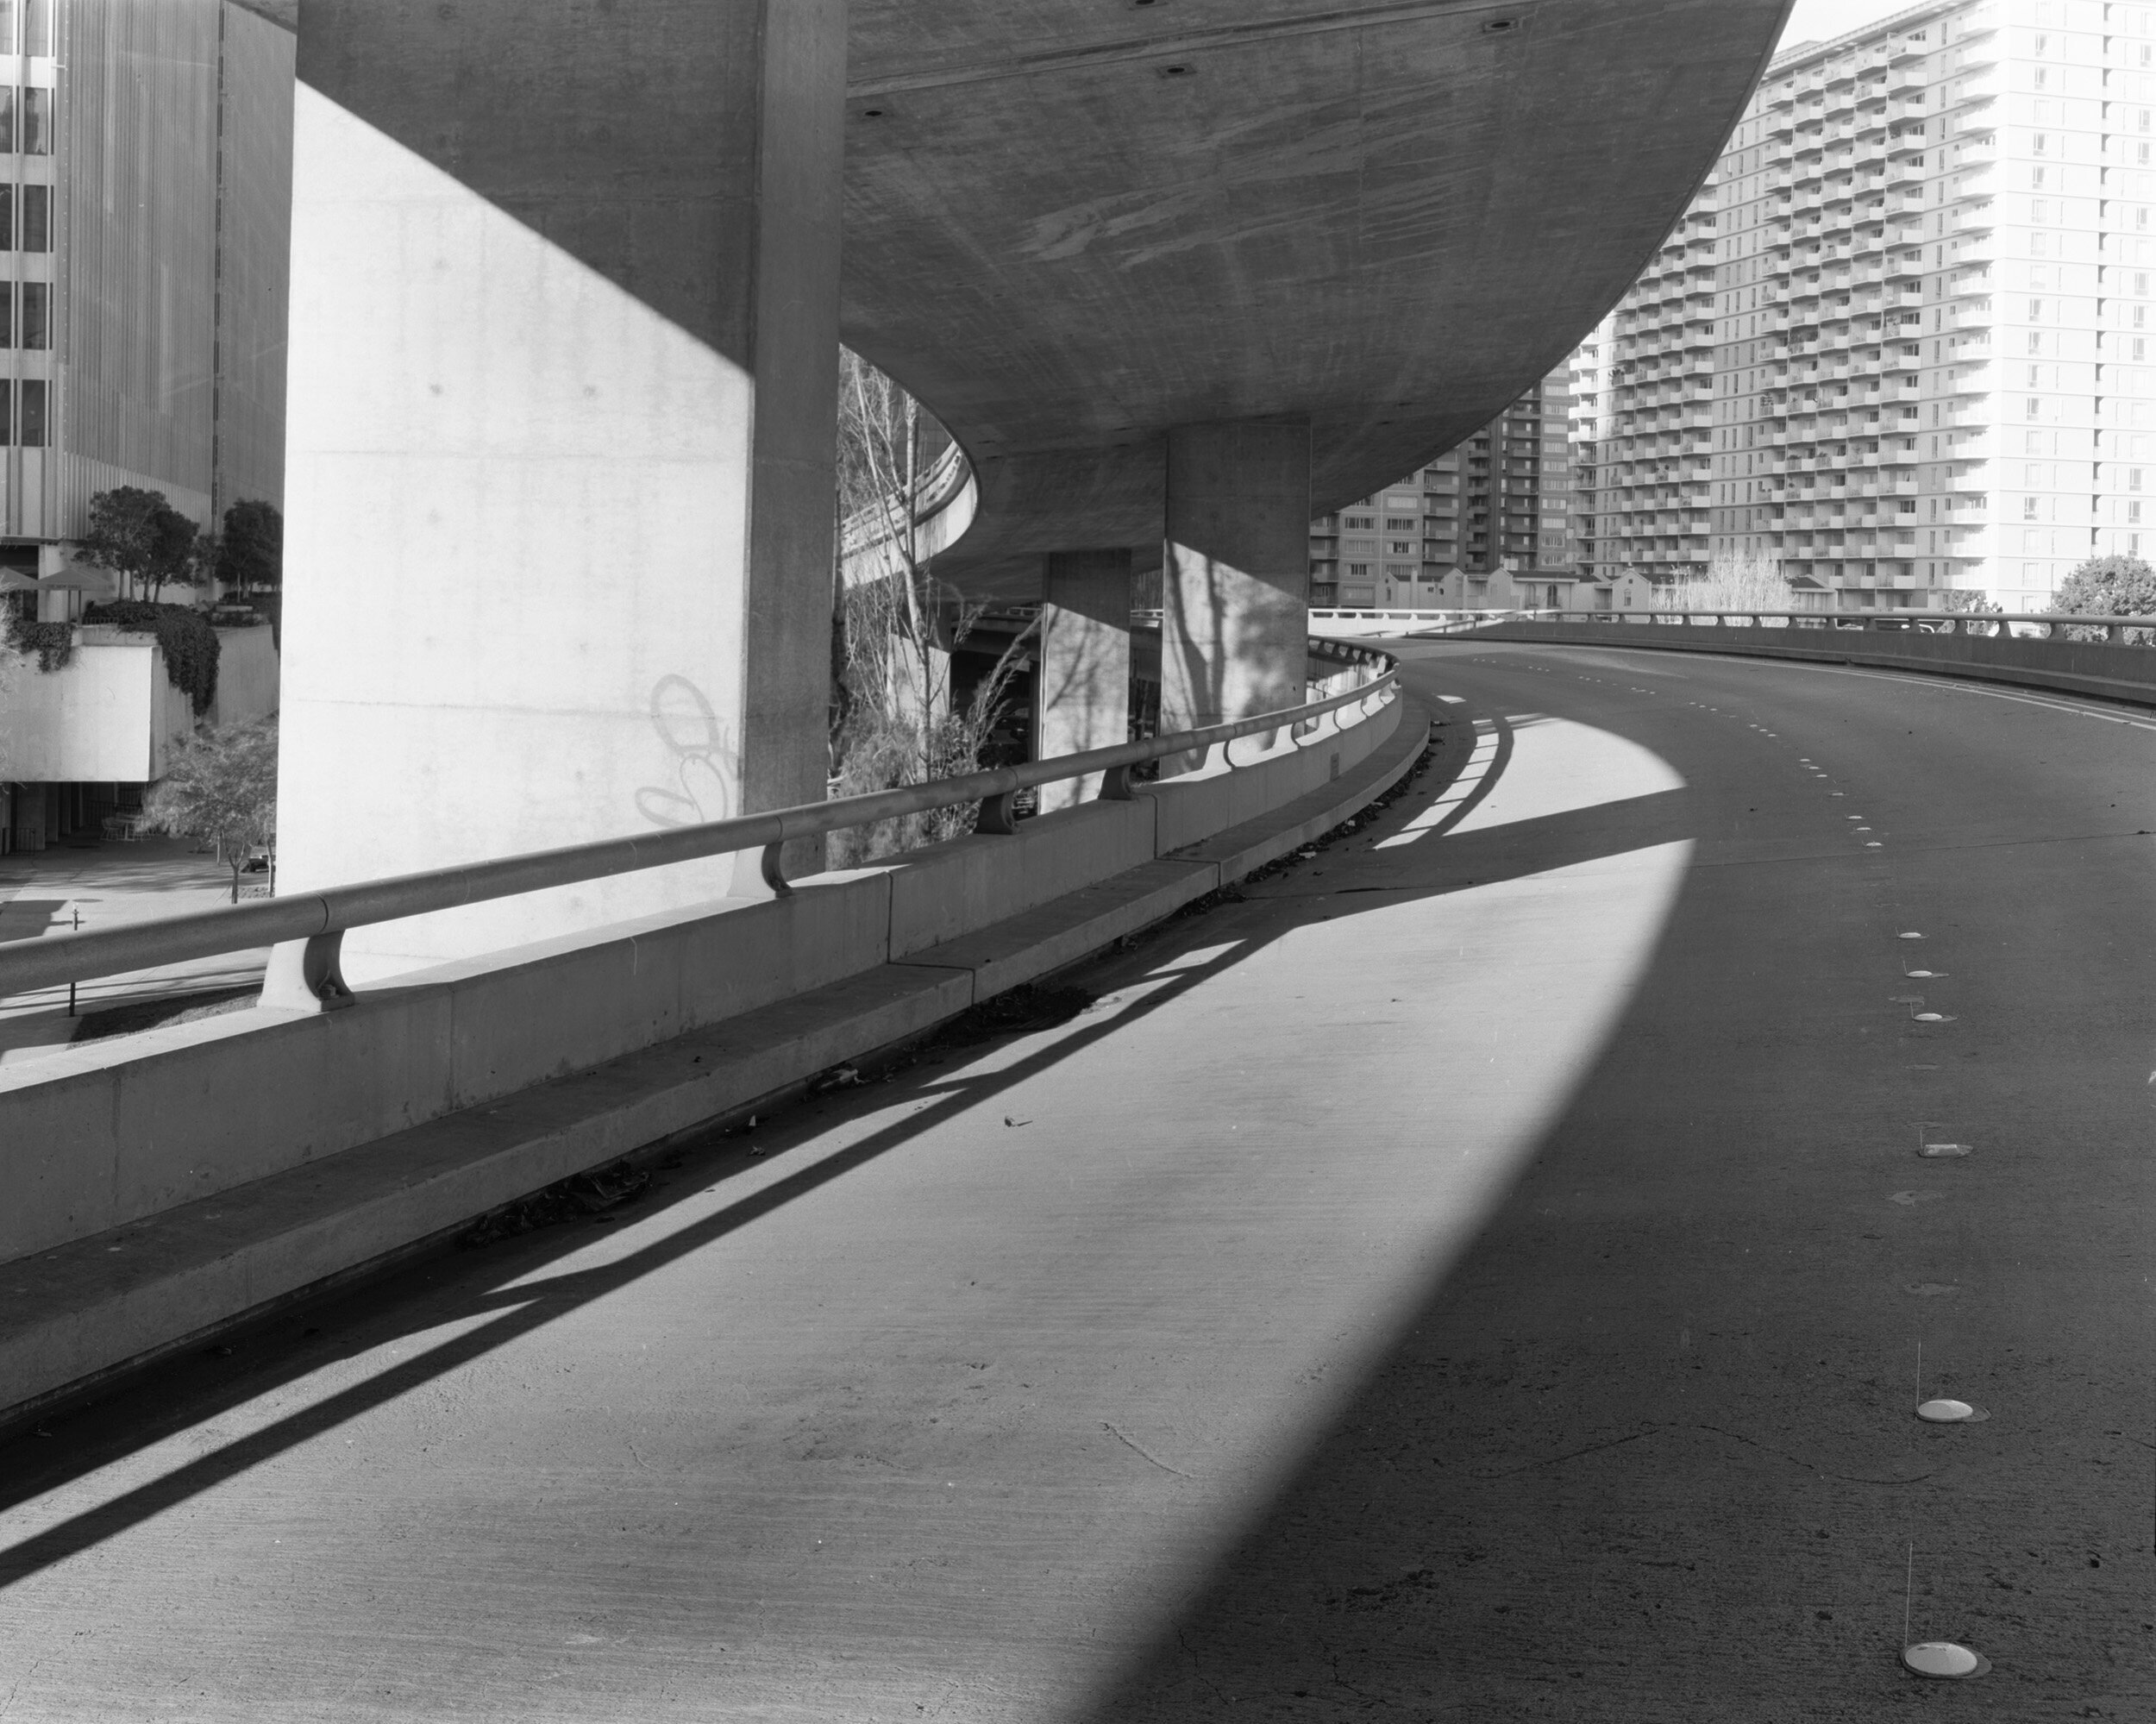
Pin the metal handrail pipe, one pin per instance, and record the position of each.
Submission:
(1936, 620)
(28, 965)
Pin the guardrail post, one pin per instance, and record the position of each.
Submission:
(773, 865)
(321, 968)
(1115, 785)
(998, 814)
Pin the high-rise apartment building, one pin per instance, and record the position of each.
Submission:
(1588, 416)
(1483, 521)
(1899, 343)
(145, 234)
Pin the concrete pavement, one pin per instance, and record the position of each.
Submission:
(1476, 1276)
(40, 892)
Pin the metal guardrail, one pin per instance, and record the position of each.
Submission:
(1975, 625)
(321, 919)
(933, 487)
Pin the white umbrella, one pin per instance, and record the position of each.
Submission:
(81, 577)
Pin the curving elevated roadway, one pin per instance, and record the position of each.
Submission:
(1480, 1274)
(1069, 228)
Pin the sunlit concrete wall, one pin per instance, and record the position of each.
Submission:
(563, 372)
(111, 714)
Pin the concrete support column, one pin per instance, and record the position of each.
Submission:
(1235, 578)
(1083, 683)
(563, 361)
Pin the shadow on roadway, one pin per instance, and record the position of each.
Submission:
(503, 1292)
(1579, 1464)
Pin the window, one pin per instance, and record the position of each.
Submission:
(37, 38)
(37, 227)
(7, 412)
(37, 298)
(1394, 524)
(33, 413)
(37, 123)
(1360, 522)
(2028, 510)
(6, 218)
(7, 115)
(1358, 571)
(7, 317)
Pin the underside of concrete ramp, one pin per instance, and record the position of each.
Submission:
(1070, 228)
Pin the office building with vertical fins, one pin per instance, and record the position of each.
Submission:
(1898, 345)
(145, 214)
(145, 253)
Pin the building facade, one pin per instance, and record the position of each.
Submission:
(1588, 420)
(145, 236)
(145, 242)
(1899, 344)
(1483, 523)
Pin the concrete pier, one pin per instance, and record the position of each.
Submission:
(563, 358)
(1235, 573)
(1083, 686)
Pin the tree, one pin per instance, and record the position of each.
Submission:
(222, 787)
(251, 552)
(895, 721)
(125, 525)
(172, 548)
(2107, 587)
(1748, 581)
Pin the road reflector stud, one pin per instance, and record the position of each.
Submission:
(1946, 1412)
(1944, 1661)
(1935, 1151)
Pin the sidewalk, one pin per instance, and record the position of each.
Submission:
(41, 893)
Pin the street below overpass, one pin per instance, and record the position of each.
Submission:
(1478, 1273)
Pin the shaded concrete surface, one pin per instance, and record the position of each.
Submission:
(1071, 227)
(1475, 1277)
(109, 883)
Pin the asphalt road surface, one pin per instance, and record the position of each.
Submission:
(1481, 1275)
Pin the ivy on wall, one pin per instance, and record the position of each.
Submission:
(190, 643)
(52, 643)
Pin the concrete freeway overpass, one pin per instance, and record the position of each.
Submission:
(1473, 1269)
(1479, 1273)
(568, 286)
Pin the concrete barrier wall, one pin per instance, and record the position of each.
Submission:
(108, 1133)
(2117, 672)
(101, 717)
(246, 675)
